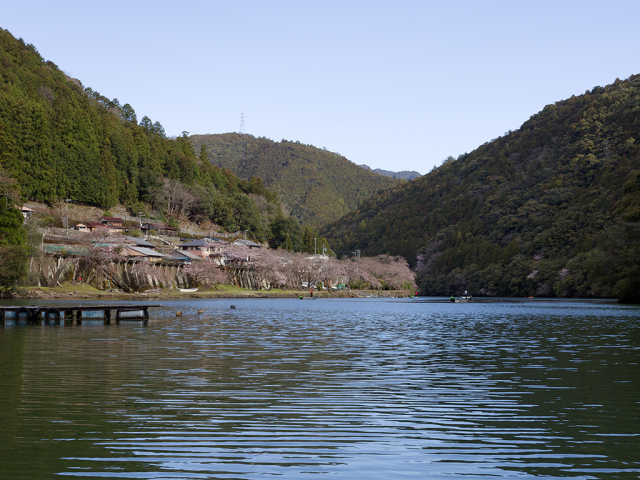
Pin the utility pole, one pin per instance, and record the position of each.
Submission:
(140, 214)
(314, 246)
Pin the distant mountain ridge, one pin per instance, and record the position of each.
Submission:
(403, 175)
(317, 185)
(552, 209)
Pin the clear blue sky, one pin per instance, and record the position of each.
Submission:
(396, 85)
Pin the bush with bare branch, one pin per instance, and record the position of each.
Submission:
(206, 274)
(383, 271)
(175, 199)
(394, 271)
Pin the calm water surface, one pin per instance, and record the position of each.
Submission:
(369, 388)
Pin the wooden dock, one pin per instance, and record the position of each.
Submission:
(67, 314)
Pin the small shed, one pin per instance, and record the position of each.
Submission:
(26, 212)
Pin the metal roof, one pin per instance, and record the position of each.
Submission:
(248, 243)
(186, 254)
(194, 243)
(141, 242)
(147, 251)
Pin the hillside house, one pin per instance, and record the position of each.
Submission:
(112, 221)
(143, 254)
(91, 227)
(206, 249)
(185, 256)
(247, 243)
(115, 224)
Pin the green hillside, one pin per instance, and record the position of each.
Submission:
(316, 185)
(61, 140)
(550, 209)
(404, 174)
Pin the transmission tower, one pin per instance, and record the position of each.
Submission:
(244, 146)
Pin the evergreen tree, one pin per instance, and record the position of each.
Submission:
(14, 253)
(308, 238)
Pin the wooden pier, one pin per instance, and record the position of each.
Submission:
(67, 314)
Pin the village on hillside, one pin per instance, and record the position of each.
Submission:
(120, 253)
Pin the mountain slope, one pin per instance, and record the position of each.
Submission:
(318, 186)
(61, 140)
(545, 210)
(404, 174)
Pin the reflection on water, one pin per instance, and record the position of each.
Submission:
(355, 388)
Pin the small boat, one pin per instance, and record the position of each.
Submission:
(462, 299)
(188, 290)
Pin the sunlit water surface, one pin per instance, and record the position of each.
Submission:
(349, 388)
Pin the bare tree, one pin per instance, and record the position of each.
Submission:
(393, 270)
(175, 199)
(280, 268)
(207, 274)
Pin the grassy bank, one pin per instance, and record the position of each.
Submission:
(77, 291)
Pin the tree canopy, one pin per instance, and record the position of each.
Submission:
(61, 140)
(550, 209)
(317, 186)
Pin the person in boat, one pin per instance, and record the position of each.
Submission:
(466, 294)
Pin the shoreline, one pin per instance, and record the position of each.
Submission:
(70, 291)
(78, 292)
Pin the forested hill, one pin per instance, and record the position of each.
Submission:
(318, 186)
(550, 209)
(61, 140)
(404, 174)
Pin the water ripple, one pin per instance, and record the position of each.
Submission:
(358, 389)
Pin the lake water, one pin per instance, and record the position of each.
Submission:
(358, 389)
